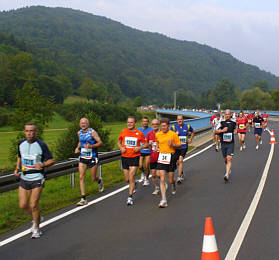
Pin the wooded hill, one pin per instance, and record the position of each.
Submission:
(144, 64)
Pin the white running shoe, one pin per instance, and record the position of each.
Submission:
(182, 177)
(130, 201)
(179, 180)
(142, 177)
(33, 224)
(261, 142)
(240, 148)
(163, 204)
(36, 233)
(82, 202)
(156, 191)
(173, 192)
(101, 185)
(257, 147)
(244, 146)
(226, 177)
(145, 182)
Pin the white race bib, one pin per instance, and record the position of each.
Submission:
(130, 142)
(183, 139)
(28, 161)
(164, 158)
(257, 125)
(227, 137)
(86, 153)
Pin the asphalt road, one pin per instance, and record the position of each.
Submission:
(111, 230)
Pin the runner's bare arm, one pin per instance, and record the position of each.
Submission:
(18, 166)
(123, 150)
(192, 136)
(98, 140)
(47, 163)
(78, 146)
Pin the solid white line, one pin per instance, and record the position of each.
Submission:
(45, 223)
(195, 154)
(233, 251)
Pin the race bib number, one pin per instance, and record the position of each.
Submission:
(164, 158)
(131, 142)
(242, 126)
(183, 139)
(227, 137)
(86, 153)
(257, 125)
(28, 161)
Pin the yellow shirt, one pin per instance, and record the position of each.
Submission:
(163, 138)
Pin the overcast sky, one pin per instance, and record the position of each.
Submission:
(248, 29)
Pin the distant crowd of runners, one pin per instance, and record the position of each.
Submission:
(158, 150)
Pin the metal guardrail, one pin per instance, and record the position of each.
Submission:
(10, 181)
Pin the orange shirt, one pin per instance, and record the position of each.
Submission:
(163, 139)
(130, 140)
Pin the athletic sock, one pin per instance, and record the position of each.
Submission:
(83, 197)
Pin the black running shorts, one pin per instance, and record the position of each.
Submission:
(129, 161)
(30, 185)
(227, 149)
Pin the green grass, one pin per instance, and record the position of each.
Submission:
(57, 194)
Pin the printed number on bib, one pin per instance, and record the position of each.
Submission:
(227, 137)
(28, 161)
(257, 125)
(86, 153)
(164, 158)
(131, 142)
(183, 139)
(242, 126)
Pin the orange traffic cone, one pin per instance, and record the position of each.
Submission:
(209, 246)
(272, 138)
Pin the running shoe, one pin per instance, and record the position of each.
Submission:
(33, 223)
(142, 176)
(156, 191)
(173, 189)
(261, 142)
(257, 147)
(240, 148)
(36, 233)
(146, 182)
(130, 201)
(244, 146)
(163, 204)
(178, 181)
(216, 148)
(182, 177)
(82, 202)
(226, 177)
(101, 185)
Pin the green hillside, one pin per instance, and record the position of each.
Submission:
(141, 63)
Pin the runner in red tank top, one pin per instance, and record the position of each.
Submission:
(241, 129)
(265, 118)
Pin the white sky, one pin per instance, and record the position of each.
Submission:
(248, 29)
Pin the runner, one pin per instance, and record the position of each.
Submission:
(265, 118)
(150, 138)
(250, 118)
(258, 124)
(33, 157)
(227, 130)
(211, 124)
(89, 141)
(182, 130)
(129, 142)
(216, 123)
(242, 123)
(145, 153)
(167, 141)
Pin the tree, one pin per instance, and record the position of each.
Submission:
(138, 101)
(275, 97)
(67, 143)
(30, 107)
(261, 84)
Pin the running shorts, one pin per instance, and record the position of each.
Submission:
(168, 167)
(258, 131)
(89, 162)
(30, 185)
(153, 165)
(227, 149)
(144, 154)
(181, 152)
(129, 161)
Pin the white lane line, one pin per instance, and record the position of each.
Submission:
(63, 215)
(233, 251)
(195, 154)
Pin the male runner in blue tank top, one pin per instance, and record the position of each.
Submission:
(183, 130)
(33, 156)
(145, 153)
(89, 141)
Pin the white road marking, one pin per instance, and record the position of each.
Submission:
(233, 251)
(45, 223)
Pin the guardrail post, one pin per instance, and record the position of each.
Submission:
(100, 171)
(72, 176)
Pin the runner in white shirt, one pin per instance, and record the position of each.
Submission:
(216, 124)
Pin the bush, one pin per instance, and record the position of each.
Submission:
(66, 144)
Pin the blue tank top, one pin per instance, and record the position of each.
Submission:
(145, 132)
(86, 138)
(183, 133)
